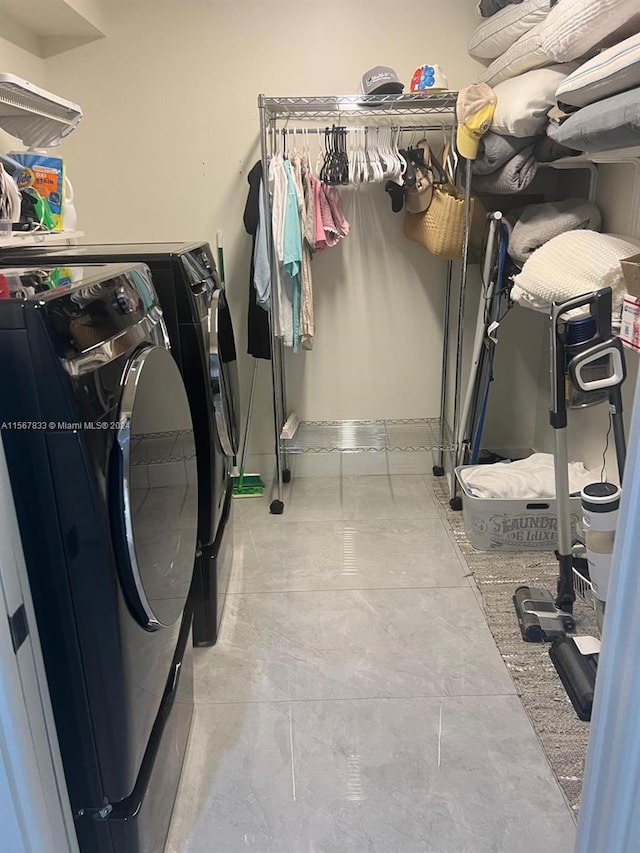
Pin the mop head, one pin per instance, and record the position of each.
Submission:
(248, 486)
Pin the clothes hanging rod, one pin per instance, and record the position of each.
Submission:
(403, 129)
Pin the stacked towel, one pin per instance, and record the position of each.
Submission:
(514, 176)
(532, 226)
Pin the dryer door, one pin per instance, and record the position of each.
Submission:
(223, 372)
(157, 502)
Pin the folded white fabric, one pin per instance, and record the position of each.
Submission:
(531, 478)
(571, 264)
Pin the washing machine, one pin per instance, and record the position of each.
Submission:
(96, 426)
(201, 333)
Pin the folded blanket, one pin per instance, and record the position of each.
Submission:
(570, 265)
(533, 477)
(515, 176)
(495, 150)
(534, 225)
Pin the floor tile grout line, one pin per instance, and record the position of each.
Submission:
(462, 586)
(342, 520)
(435, 698)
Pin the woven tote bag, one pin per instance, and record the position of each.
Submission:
(440, 228)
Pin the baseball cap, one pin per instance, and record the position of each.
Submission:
(475, 107)
(380, 81)
(429, 78)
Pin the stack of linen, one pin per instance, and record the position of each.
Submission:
(532, 48)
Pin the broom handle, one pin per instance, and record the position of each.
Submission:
(247, 429)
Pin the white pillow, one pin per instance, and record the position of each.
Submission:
(571, 29)
(525, 55)
(524, 101)
(613, 71)
(497, 33)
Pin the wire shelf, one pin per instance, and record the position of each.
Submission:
(37, 117)
(370, 436)
(437, 103)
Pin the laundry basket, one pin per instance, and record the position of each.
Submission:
(496, 524)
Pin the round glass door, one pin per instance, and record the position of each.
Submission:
(223, 373)
(158, 489)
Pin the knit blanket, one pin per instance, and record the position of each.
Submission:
(570, 265)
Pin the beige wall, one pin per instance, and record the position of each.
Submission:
(171, 130)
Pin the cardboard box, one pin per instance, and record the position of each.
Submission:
(630, 326)
(631, 271)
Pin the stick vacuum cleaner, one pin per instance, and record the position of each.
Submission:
(600, 368)
(587, 367)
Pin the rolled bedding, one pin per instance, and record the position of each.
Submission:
(494, 150)
(532, 226)
(570, 265)
(513, 177)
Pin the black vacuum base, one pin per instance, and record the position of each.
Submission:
(577, 673)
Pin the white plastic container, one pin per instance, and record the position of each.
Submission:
(494, 524)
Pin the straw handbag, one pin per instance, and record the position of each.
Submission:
(440, 228)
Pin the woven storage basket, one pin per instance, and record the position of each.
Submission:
(440, 229)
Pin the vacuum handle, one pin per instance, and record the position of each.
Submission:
(617, 373)
(602, 300)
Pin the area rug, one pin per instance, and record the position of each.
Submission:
(497, 574)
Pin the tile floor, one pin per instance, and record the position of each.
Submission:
(356, 700)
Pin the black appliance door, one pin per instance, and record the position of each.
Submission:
(157, 497)
(223, 373)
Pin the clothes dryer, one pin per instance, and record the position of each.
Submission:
(94, 415)
(198, 320)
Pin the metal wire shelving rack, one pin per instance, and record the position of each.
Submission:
(433, 111)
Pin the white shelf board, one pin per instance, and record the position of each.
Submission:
(46, 238)
(48, 27)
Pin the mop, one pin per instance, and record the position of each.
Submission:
(248, 485)
(244, 485)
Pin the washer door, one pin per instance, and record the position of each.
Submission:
(223, 373)
(157, 500)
